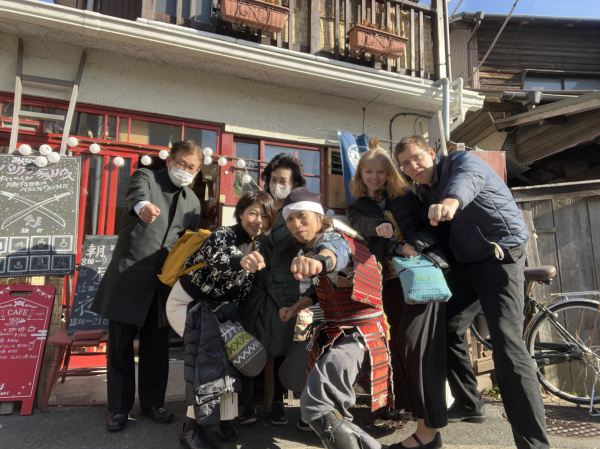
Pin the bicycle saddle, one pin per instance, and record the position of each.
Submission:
(543, 273)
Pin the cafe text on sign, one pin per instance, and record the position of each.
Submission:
(25, 312)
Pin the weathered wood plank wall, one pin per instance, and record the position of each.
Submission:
(566, 225)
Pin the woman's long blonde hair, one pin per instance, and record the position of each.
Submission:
(395, 184)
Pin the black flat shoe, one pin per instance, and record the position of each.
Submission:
(226, 432)
(436, 443)
(116, 422)
(459, 413)
(196, 438)
(159, 415)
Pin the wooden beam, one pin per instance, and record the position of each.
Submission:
(537, 141)
(315, 27)
(565, 107)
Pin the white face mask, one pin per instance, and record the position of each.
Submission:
(180, 177)
(279, 191)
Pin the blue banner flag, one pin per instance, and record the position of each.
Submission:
(351, 149)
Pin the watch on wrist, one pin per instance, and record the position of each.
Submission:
(326, 261)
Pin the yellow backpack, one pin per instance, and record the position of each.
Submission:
(174, 266)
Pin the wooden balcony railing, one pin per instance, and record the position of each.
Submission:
(318, 27)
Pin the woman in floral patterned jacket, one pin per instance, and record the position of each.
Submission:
(232, 256)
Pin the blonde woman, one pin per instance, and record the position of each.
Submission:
(394, 222)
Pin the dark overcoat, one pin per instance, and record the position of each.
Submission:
(130, 282)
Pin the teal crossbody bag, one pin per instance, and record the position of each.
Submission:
(422, 281)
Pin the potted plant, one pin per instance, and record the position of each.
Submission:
(384, 42)
(265, 15)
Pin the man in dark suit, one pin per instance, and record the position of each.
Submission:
(160, 209)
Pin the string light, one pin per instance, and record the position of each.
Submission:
(45, 150)
(40, 161)
(163, 154)
(72, 142)
(53, 157)
(119, 161)
(94, 148)
(146, 160)
(25, 149)
(222, 161)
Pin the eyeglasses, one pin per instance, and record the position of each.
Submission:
(415, 159)
(188, 168)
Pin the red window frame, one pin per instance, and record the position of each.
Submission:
(228, 171)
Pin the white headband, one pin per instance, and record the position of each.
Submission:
(302, 205)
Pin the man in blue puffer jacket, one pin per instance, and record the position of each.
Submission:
(487, 236)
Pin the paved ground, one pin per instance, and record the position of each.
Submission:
(83, 427)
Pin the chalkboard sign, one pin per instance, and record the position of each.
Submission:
(95, 255)
(38, 226)
(25, 312)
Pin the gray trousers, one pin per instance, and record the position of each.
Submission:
(328, 387)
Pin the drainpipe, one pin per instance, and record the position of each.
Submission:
(445, 83)
(460, 117)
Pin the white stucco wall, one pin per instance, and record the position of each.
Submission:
(244, 106)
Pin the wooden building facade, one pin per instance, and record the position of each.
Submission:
(540, 77)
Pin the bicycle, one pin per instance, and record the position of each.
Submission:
(563, 337)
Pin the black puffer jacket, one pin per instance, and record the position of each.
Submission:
(410, 214)
(207, 372)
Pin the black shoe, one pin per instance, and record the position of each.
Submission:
(158, 415)
(459, 413)
(196, 439)
(247, 415)
(226, 431)
(278, 415)
(436, 443)
(304, 427)
(117, 422)
(335, 432)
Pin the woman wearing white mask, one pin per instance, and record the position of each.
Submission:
(274, 287)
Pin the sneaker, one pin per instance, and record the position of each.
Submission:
(278, 415)
(226, 432)
(459, 413)
(248, 417)
(304, 427)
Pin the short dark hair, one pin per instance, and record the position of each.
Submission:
(185, 146)
(284, 160)
(256, 196)
(410, 140)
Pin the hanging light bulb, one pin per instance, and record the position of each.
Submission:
(207, 160)
(163, 154)
(330, 213)
(246, 179)
(72, 142)
(207, 151)
(45, 150)
(25, 149)
(94, 148)
(222, 161)
(119, 161)
(241, 163)
(53, 157)
(146, 160)
(40, 161)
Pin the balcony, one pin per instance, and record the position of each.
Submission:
(316, 27)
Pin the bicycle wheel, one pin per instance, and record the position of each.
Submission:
(566, 349)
